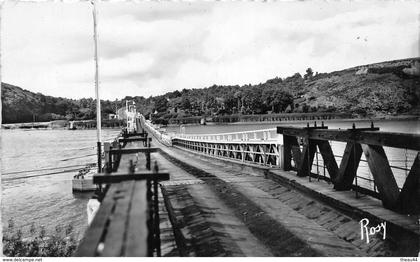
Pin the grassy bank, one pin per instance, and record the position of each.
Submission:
(61, 243)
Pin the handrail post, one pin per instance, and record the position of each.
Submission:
(149, 196)
(156, 219)
(108, 162)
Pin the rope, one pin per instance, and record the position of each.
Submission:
(47, 174)
(42, 169)
(71, 158)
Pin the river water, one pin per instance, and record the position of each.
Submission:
(36, 190)
(37, 167)
(403, 126)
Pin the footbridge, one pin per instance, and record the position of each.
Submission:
(287, 191)
(364, 165)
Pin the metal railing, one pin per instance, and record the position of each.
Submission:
(364, 179)
(269, 135)
(130, 203)
(364, 166)
(146, 125)
(262, 153)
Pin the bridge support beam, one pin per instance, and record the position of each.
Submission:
(409, 198)
(328, 157)
(307, 157)
(382, 174)
(348, 166)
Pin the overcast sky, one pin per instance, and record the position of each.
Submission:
(149, 48)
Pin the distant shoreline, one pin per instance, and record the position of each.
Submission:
(47, 125)
(43, 125)
(404, 118)
(63, 124)
(387, 118)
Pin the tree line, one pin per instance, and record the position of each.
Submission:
(276, 95)
(382, 89)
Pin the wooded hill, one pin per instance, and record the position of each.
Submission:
(390, 87)
(20, 106)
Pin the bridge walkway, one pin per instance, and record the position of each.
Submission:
(119, 227)
(200, 217)
(231, 210)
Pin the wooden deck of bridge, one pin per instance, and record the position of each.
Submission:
(213, 207)
(242, 213)
(120, 226)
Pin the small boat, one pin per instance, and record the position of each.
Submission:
(83, 181)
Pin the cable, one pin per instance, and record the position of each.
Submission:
(47, 174)
(42, 169)
(71, 158)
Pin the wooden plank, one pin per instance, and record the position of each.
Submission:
(133, 139)
(348, 167)
(364, 129)
(139, 126)
(382, 174)
(119, 177)
(398, 140)
(328, 157)
(116, 231)
(307, 159)
(107, 157)
(389, 139)
(136, 244)
(409, 198)
(324, 134)
(134, 150)
(92, 237)
(136, 134)
(112, 220)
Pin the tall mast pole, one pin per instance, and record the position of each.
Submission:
(1, 11)
(98, 100)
